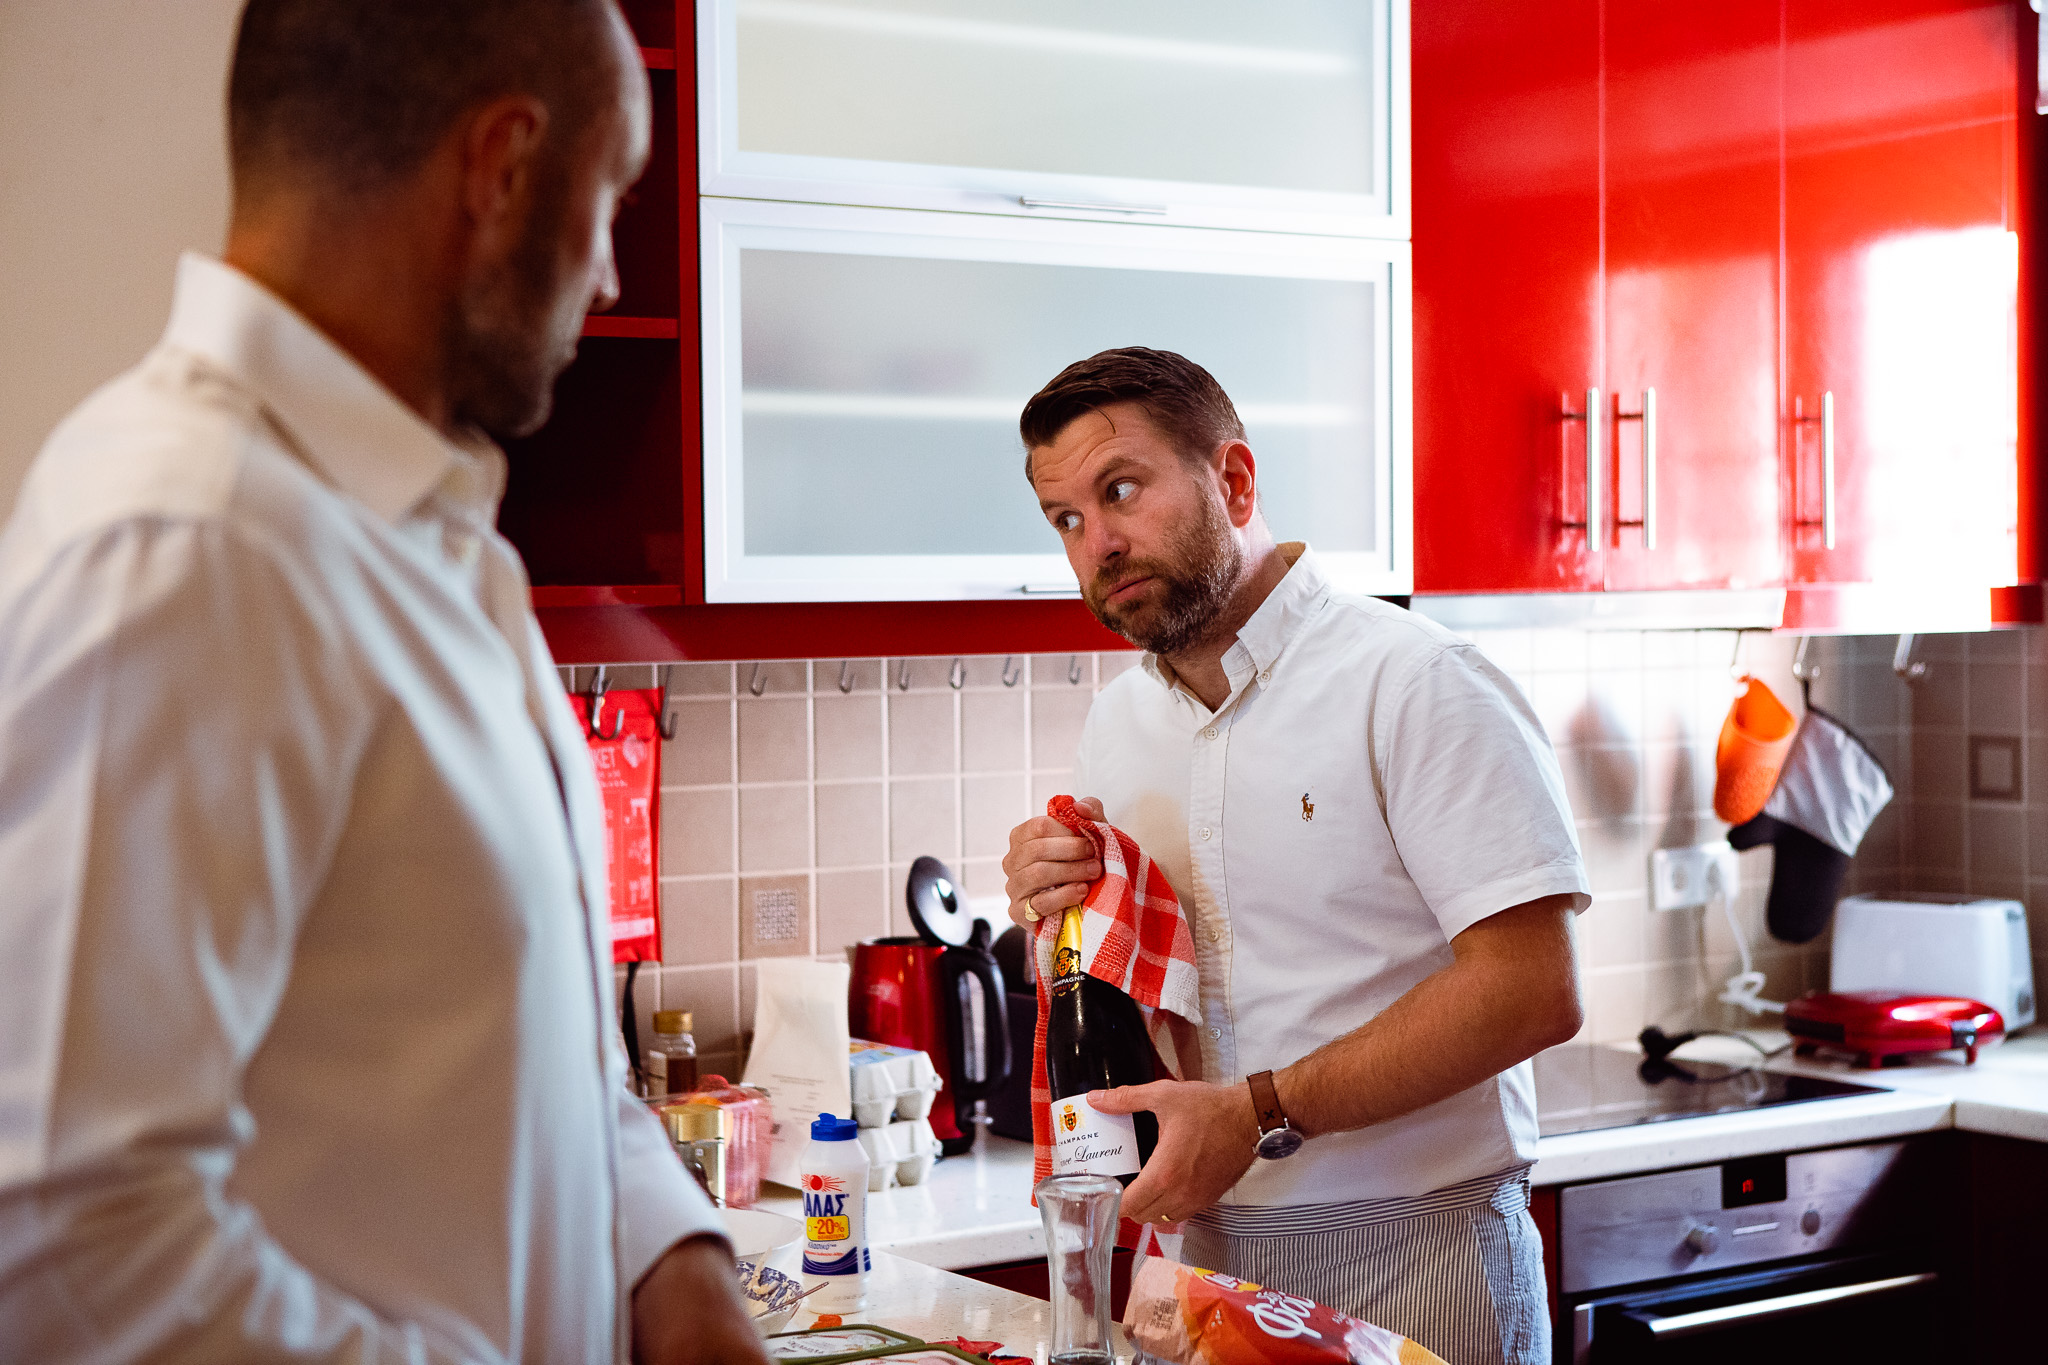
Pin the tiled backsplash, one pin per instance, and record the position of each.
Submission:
(796, 793)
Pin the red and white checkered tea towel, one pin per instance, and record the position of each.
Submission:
(1135, 936)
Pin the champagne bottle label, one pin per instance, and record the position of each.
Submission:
(1066, 954)
(1087, 1141)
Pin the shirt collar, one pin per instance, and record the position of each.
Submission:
(352, 429)
(1262, 638)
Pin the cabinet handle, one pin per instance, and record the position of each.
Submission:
(1089, 205)
(1591, 417)
(1647, 415)
(1662, 1327)
(1827, 463)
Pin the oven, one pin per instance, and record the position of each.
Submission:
(1836, 1254)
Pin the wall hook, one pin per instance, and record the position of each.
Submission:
(1802, 670)
(1735, 669)
(1012, 670)
(1074, 671)
(903, 675)
(600, 683)
(845, 675)
(957, 675)
(1909, 669)
(757, 684)
(663, 721)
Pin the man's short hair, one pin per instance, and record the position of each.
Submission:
(359, 92)
(1180, 397)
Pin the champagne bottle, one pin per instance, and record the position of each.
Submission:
(1095, 1039)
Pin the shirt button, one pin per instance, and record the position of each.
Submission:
(1204, 832)
(1215, 936)
(1209, 733)
(1215, 1033)
(1266, 676)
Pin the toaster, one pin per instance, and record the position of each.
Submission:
(1937, 945)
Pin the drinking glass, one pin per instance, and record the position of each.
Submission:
(1080, 1213)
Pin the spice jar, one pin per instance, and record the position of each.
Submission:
(670, 1061)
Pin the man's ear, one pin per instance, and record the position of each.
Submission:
(1238, 473)
(500, 147)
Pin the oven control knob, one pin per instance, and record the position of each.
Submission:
(1703, 1241)
(1809, 1222)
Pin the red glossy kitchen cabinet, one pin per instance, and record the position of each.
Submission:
(605, 501)
(1904, 205)
(1690, 129)
(1506, 118)
(1595, 210)
(1799, 224)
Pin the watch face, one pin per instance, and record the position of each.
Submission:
(1278, 1143)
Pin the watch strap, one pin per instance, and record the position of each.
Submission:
(1266, 1102)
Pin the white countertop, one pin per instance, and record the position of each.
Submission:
(972, 1210)
(936, 1305)
(975, 1210)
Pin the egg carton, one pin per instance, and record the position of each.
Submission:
(890, 1084)
(901, 1153)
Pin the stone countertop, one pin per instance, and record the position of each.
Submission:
(975, 1210)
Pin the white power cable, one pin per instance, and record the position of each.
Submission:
(1744, 989)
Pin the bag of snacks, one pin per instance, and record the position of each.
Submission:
(1200, 1317)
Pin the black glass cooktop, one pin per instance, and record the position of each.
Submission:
(1583, 1087)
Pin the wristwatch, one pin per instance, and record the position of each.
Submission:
(1278, 1136)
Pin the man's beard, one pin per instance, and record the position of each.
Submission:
(1204, 569)
(509, 335)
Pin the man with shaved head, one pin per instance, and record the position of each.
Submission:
(306, 1041)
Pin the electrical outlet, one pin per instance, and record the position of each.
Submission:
(1682, 878)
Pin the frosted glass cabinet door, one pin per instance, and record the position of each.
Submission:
(1287, 115)
(864, 370)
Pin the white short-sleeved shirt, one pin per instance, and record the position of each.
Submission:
(1371, 788)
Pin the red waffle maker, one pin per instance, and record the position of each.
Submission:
(1881, 1027)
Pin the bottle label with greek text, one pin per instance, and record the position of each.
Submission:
(1087, 1141)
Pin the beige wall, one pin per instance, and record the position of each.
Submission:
(112, 160)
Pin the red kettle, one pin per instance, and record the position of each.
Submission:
(940, 992)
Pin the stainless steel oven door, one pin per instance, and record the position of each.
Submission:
(1862, 1308)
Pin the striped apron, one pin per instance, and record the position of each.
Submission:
(1458, 1270)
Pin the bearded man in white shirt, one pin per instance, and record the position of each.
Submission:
(1366, 826)
(306, 1042)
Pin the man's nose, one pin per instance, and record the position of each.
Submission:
(607, 292)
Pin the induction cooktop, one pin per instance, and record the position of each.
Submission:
(1584, 1086)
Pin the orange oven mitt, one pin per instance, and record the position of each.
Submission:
(1755, 739)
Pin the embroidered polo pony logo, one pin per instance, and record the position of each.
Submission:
(1308, 807)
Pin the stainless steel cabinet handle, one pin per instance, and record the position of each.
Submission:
(1647, 415)
(1827, 463)
(1591, 417)
(1089, 206)
(1708, 1319)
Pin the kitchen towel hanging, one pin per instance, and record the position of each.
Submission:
(625, 748)
(1831, 789)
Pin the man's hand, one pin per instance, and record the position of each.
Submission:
(1206, 1136)
(1049, 866)
(688, 1310)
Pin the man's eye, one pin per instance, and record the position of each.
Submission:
(1121, 489)
(1067, 521)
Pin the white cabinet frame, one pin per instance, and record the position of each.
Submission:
(726, 170)
(729, 226)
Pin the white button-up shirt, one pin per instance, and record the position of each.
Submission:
(306, 1040)
(1371, 788)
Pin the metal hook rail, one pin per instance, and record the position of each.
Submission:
(600, 683)
(1909, 669)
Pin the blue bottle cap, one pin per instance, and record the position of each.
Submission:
(826, 1128)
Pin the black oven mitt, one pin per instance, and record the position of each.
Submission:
(1831, 788)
